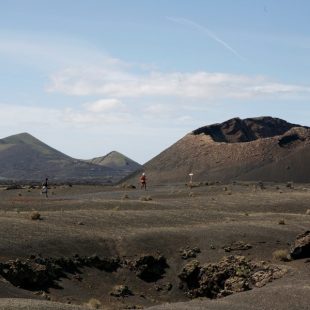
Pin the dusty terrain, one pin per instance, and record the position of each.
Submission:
(82, 221)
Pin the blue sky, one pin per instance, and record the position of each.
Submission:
(89, 77)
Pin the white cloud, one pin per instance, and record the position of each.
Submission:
(116, 83)
(103, 105)
(87, 71)
(159, 109)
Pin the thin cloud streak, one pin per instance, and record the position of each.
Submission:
(209, 33)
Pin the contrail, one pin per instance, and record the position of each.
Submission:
(209, 33)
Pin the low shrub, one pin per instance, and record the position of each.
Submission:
(35, 215)
(94, 303)
(281, 255)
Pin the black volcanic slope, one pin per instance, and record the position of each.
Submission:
(23, 157)
(237, 130)
(262, 148)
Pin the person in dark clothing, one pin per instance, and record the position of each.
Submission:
(45, 187)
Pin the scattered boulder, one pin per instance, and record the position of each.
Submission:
(236, 284)
(165, 287)
(121, 291)
(189, 252)
(146, 198)
(149, 268)
(290, 185)
(237, 246)
(301, 246)
(261, 185)
(128, 186)
(190, 275)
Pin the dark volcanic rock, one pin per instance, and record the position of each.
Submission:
(288, 140)
(237, 246)
(189, 252)
(232, 274)
(106, 264)
(41, 273)
(237, 130)
(301, 247)
(148, 267)
(121, 291)
(29, 274)
(190, 275)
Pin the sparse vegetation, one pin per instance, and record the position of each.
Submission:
(290, 185)
(146, 198)
(94, 303)
(35, 215)
(281, 255)
(128, 186)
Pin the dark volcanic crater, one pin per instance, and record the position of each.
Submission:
(237, 130)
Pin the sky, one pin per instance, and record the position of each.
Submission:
(90, 77)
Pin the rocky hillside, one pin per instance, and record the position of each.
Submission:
(23, 157)
(264, 148)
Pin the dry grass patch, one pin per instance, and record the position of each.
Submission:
(35, 215)
(281, 255)
(94, 303)
(146, 198)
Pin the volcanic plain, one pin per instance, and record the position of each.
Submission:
(97, 236)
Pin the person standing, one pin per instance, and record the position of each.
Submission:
(45, 187)
(143, 181)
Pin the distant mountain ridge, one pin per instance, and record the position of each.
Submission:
(23, 157)
(116, 160)
(263, 148)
